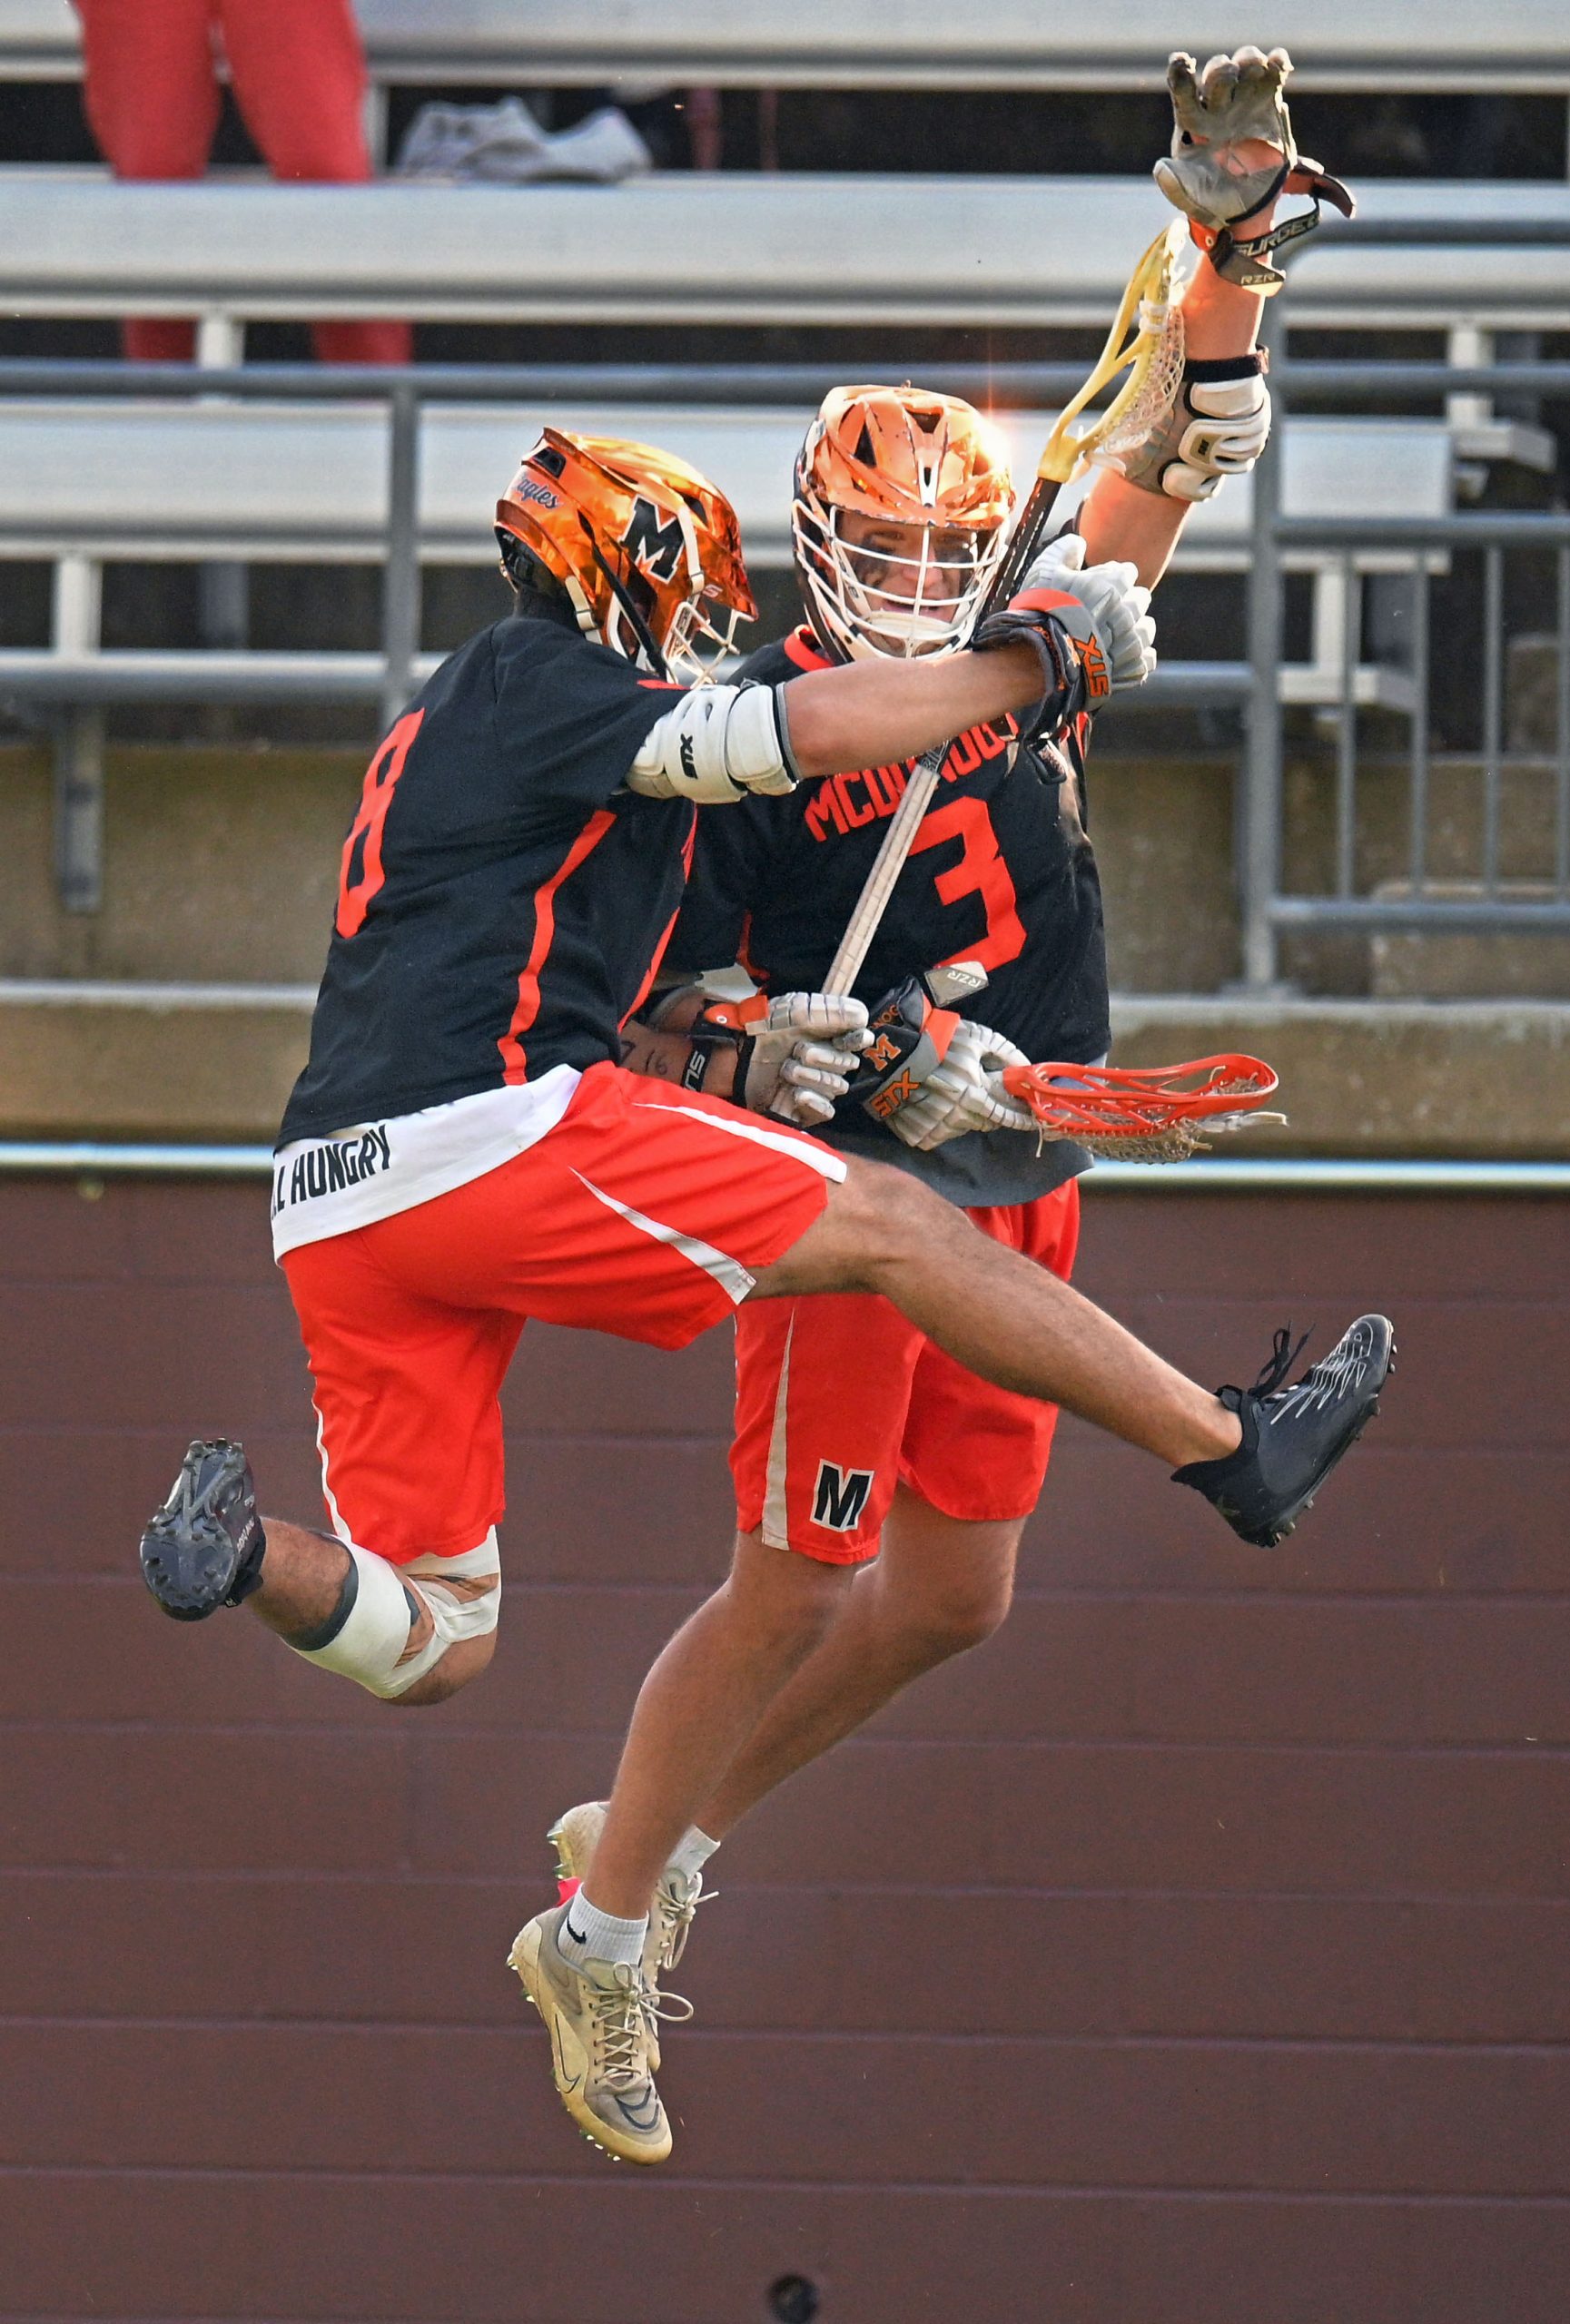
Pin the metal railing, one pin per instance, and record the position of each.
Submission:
(94, 1161)
(1269, 905)
(1470, 894)
(221, 676)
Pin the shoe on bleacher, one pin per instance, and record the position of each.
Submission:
(1294, 1436)
(205, 1548)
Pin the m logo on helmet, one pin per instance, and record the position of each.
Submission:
(655, 546)
(841, 1497)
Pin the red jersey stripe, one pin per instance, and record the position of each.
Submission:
(643, 992)
(511, 1042)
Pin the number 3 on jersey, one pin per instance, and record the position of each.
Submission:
(980, 871)
(361, 874)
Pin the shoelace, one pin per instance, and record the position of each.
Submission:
(1283, 1355)
(677, 1910)
(618, 2011)
(672, 2009)
(1340, 1370)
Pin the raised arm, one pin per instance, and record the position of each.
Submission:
(1233, 157)
(1138, 520)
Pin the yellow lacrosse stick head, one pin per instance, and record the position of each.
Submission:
(1146, 340)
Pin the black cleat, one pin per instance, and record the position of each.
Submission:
(1293, 1437)
(205, 1548)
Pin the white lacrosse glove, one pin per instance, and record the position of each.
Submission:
(809, 1043)
(965, 1091)
(1113, 596)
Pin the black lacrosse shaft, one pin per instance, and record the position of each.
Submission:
(1024, 545)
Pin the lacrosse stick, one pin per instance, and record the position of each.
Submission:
(1150, 1113)
(1146, 340)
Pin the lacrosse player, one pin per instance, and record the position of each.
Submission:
(466, 1148)
(861, 1447)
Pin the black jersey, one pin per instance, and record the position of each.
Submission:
(503, 899)
(1001, 873)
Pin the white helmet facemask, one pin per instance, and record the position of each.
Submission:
(871, 602)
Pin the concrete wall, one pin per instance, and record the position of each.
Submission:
(221, 864)
(1192, 1955)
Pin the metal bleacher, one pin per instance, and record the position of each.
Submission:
(244, 472)
(984, 252)
(265, 483)
(1404, 45)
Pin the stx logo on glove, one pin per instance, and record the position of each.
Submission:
(1093, 661)
(841, 1497)
(887, 1101)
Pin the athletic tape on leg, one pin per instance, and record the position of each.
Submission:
(382, 1605)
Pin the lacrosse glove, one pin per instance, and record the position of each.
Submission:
(1109, 605)
(963, 1091)
(807, 1042)
(1237, 99)
(918, 1050)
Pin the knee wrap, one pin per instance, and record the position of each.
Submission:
(367, 1638)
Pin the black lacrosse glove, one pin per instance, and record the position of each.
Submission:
(1062, 635)
(910, 1035)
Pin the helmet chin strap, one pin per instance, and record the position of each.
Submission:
(636, 621)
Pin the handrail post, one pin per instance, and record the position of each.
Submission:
(1260, 821)
(78, 751)
(400, 579)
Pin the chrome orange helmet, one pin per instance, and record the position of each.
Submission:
(647, 550)
(901, 505)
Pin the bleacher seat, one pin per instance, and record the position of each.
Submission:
(927, 252)
(265, 483)
(1409, 44)
(281, 482)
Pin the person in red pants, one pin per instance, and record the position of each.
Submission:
(297, 70)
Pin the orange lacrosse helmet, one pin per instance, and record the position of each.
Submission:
(647, 550)
(901, 503)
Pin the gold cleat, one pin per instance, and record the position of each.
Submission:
(597, 2014)
(574, 1836)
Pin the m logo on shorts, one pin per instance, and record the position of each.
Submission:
(841, 1497)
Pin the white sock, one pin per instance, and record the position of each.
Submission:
(586, 1934)
(692, 1853)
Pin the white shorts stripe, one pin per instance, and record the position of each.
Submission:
(328, 1495)
(729, 1273)
(816, 1157)
(775, 1526)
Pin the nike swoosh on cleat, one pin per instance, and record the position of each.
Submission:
(645, 2119)
(563, 2080)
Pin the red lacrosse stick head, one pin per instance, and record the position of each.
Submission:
(1138, 1101)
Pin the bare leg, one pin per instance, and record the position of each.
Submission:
(301, 1581)
(999, 1313)
(698, 1704)
(301, 1578)
(941, 1586)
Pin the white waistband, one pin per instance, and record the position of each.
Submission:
(330, 1186)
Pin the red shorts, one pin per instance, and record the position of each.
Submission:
(839, 1399)
(645, 1213)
